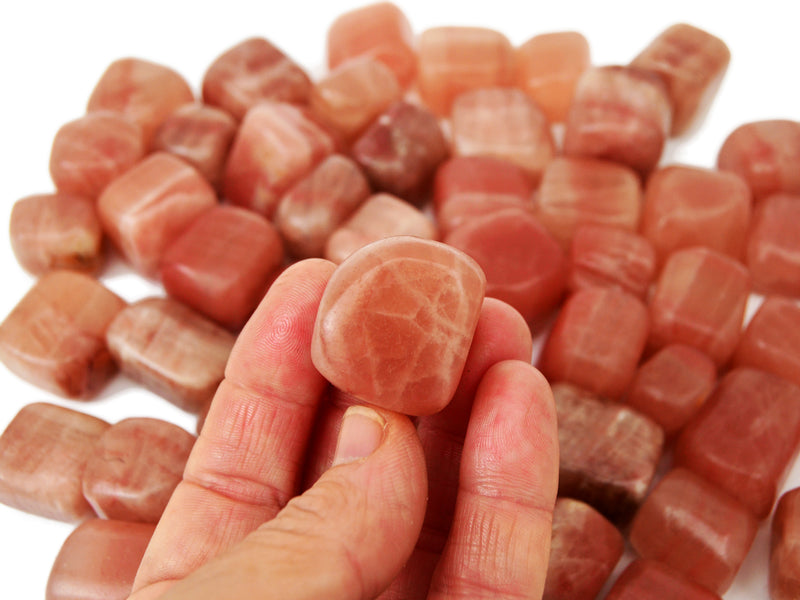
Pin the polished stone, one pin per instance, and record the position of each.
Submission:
(651, 580)
(773, 246)
(784, 564)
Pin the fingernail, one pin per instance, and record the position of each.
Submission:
(360, 435)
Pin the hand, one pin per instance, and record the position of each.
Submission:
(235, 527)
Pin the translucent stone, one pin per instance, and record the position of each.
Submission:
(276, 146)
(251, 72)
(523, 264)
(692, 63)
(312, 210)
(773, 246)
(98, 561)
(143, 91)
(223, 263)
(380, 31)
(584, 549)
(744, 437)
(579, 191)
(201, 135)
(171, 350)
(609, 452)
(784, 564)
(699, 300)
(43, 452)
(56, 231)
(146, 208)
(396, 322)
(400, 151)
(765, 154)
(548, 67)
(454, 60)
(605, 256)
(694, 528)
(504, 123)
(88, 153)
(379, 217)
(672, 385)
(55, 336)
(134, 468)
(651, 580)
(689, 206)
(597, 341)
(621, 114)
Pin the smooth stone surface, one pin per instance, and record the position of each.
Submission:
(98, 561)
(146, 208)
(134, 468)
(584, 549)
(745, 437)
(56, 231)
(171, 350)
(651, 580)
(251, 72)
(773, 246)
(784, 562)
(43, 453)
(695, 528)
(609, 452)
(223, 263)
(89, 152)
(396, 322)
(54, 337)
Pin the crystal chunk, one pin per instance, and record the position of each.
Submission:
(784, 564)
(773, 246)
(651, 580)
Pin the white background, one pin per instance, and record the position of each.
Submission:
(52, 53)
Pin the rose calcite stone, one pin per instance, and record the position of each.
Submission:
(784, 562)
(651, 580)
(134, 468)
(396, 322)
(43, 454)
(584, 549)
(773, 246)
(745, 437)
(54, 337)
(99, 561)
(694, 528)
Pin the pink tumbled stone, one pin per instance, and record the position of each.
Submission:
(134, 468)
(56, 231)
(604, 256)
(581, 191)
(581, 538)
(312, 210)
(621, 114)
(90, 152)
(98, 561)
(276, 146)
(396, 322)
(143, 91)
(171, 350)
(688, 206)
(695, 528)
(765, 154)
(504, 123)
(55, 336)
(608, 452)
(597, 341)
(43, 453)
(251, 72)
(699, 300)
(784, 563)
(692, 63)
(773, 246)
(523, 264)
(672, 385)
(145, 209)
(651, 580)
(223, 263)
(379, 217)
(744, 437)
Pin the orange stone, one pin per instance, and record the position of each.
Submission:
(651, 580)
(784, 563)
(773, 246)
(396, 322)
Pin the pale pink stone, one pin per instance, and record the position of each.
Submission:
(396, 322)
(773, 246)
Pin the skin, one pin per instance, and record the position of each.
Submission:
(456, 505)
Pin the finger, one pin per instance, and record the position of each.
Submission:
(345, 537)
(499, 544)
(246, 462)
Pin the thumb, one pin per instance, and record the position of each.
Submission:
(346, 537)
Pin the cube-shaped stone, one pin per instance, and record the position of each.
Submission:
(773, 246)
(784, 562)
(652, 580)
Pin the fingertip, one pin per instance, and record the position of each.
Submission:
(500, 317)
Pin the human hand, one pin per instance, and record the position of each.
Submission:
(235, 527)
